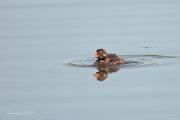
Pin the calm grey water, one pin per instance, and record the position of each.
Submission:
(38, 37)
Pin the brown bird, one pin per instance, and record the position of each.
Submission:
(105, 59)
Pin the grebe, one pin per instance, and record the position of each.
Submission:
(105, 59)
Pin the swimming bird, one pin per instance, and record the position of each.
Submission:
(105, 59)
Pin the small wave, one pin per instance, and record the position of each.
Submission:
(131, 60)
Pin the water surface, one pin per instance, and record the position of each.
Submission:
(38, 37)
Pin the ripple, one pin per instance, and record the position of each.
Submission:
(131, 60)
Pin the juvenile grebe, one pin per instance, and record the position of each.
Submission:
(105, 59)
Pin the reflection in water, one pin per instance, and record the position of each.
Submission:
(103, 72)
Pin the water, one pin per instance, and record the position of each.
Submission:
(37, 39)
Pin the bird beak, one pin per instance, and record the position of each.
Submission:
(96, 55)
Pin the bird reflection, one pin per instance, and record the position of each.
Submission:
(103, 72)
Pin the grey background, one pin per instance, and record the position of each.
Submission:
(37, 37)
